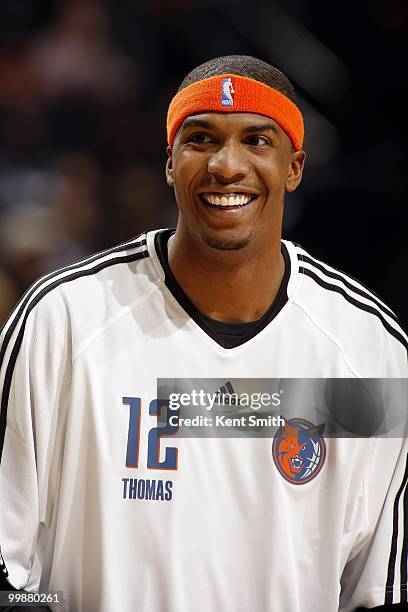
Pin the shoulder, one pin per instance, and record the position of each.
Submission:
(84, 294)
(343, 307)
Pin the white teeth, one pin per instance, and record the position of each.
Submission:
(232, 199)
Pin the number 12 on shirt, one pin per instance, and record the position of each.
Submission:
(170, 460)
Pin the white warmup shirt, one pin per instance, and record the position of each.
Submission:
(93, 502)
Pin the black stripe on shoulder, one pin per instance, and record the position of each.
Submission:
(368, 289)
(391, 330)
(389, 588)
(343, 278)
(16, 348)
(75, 266)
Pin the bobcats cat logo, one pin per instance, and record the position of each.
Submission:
(299, 450)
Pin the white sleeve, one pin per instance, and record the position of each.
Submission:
(376, 572)
(34, 375)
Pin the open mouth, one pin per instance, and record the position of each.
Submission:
(227, 200)
(296, 463)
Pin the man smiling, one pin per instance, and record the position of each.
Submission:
(230, 172)
(96, 501)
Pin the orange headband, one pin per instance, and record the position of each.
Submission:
(236, 94)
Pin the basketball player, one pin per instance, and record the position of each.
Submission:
(95, 501)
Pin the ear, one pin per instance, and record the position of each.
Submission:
(169, 167)
(317, 430)
(289, 431)
(295, 173)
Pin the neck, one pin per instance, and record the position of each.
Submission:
(231, 286)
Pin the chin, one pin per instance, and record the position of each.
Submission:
(227, 243)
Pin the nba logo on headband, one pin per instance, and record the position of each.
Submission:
(227, 91)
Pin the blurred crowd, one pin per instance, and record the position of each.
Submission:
(84, 90)
(73, 172)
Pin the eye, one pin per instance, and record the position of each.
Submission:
(199, 138)
(257, 141)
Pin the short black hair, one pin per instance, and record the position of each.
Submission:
(243, 65)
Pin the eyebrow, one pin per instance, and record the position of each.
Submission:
(261, 128)
(207, 125)
(192, 122)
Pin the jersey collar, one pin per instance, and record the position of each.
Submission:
(159, 242)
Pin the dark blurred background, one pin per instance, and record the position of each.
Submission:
(84, 89)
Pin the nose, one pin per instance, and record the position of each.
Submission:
(229, 163)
